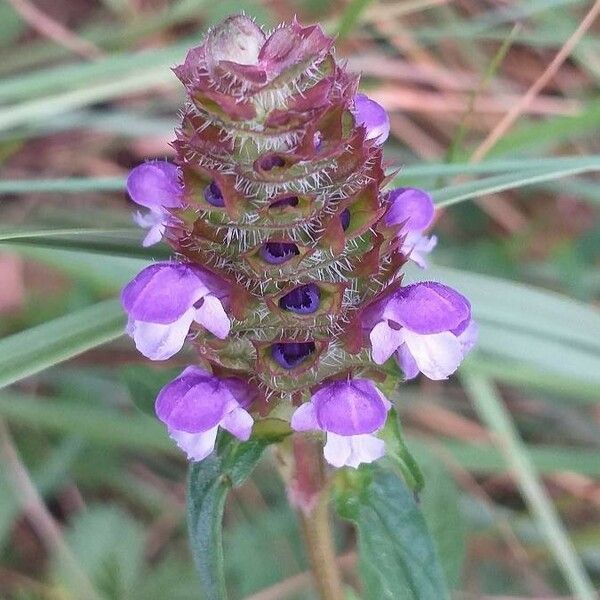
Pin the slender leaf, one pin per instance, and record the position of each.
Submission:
(398, 558)
(499, 183)
(208, 485)
(29, 352)
(144, 382)
(398, 452)
(38, 109)
(106, 272)
(71, 185)
(482, 458)
(524, 375)
(77, 185)
(100, 425)
(440, 504)
(48, 476)
(493, 412)
(351, 17)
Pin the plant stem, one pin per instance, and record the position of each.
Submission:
(321, 551)
(309, 493)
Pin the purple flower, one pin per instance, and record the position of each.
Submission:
(350, 412)
(428, 325)
(372, 116)
(164, 299)
(194, 405)
(154, 185)
(413, 209)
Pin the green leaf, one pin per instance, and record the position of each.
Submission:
(109, 546)
(510, 167)
(31, 351)
(351, 16)
(72, 185)
(508, 181)
(494, 413)
(399, 454)
(94, 424)
(103, 271)
(440, 504)
(397, 555)
(208, 485)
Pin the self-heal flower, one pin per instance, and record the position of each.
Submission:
(164, 299)
(413, 210)
(156, 186)
(194, 405)
(373, 117)
(429, 327)
(350, 412)
(278, 220)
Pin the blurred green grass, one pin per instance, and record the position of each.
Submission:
(69, 130)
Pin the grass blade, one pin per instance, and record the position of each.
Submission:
(507, 181)
(31, 351)
(492, 411)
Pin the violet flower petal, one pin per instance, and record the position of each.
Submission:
(155, 185)
(305, 418)
(407, 362)
(337, 450)
(163, 292)
(194, 402)
(352, 451)
(347, 409)
(365, 449)
(468, 337)
(373, 116)
(242, 391)
(417, 246)
(428, 307)
(410, 207)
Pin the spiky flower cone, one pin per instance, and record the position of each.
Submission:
(284, 202)
(289, 253)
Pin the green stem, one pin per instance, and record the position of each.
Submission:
(321, 551)
(308, 491)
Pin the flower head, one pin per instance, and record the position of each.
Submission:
(194, 405)
(156, 186)
(164, 299)
(373, 117)
(350, 412)
(413, 210)
(428, 325)
(284, 240)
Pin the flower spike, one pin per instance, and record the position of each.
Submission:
(288, 252)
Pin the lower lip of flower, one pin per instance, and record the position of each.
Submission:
(276, 253)
(213, 195)
(303, 300)
(290, 354)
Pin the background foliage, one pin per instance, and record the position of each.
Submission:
(92, 491)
